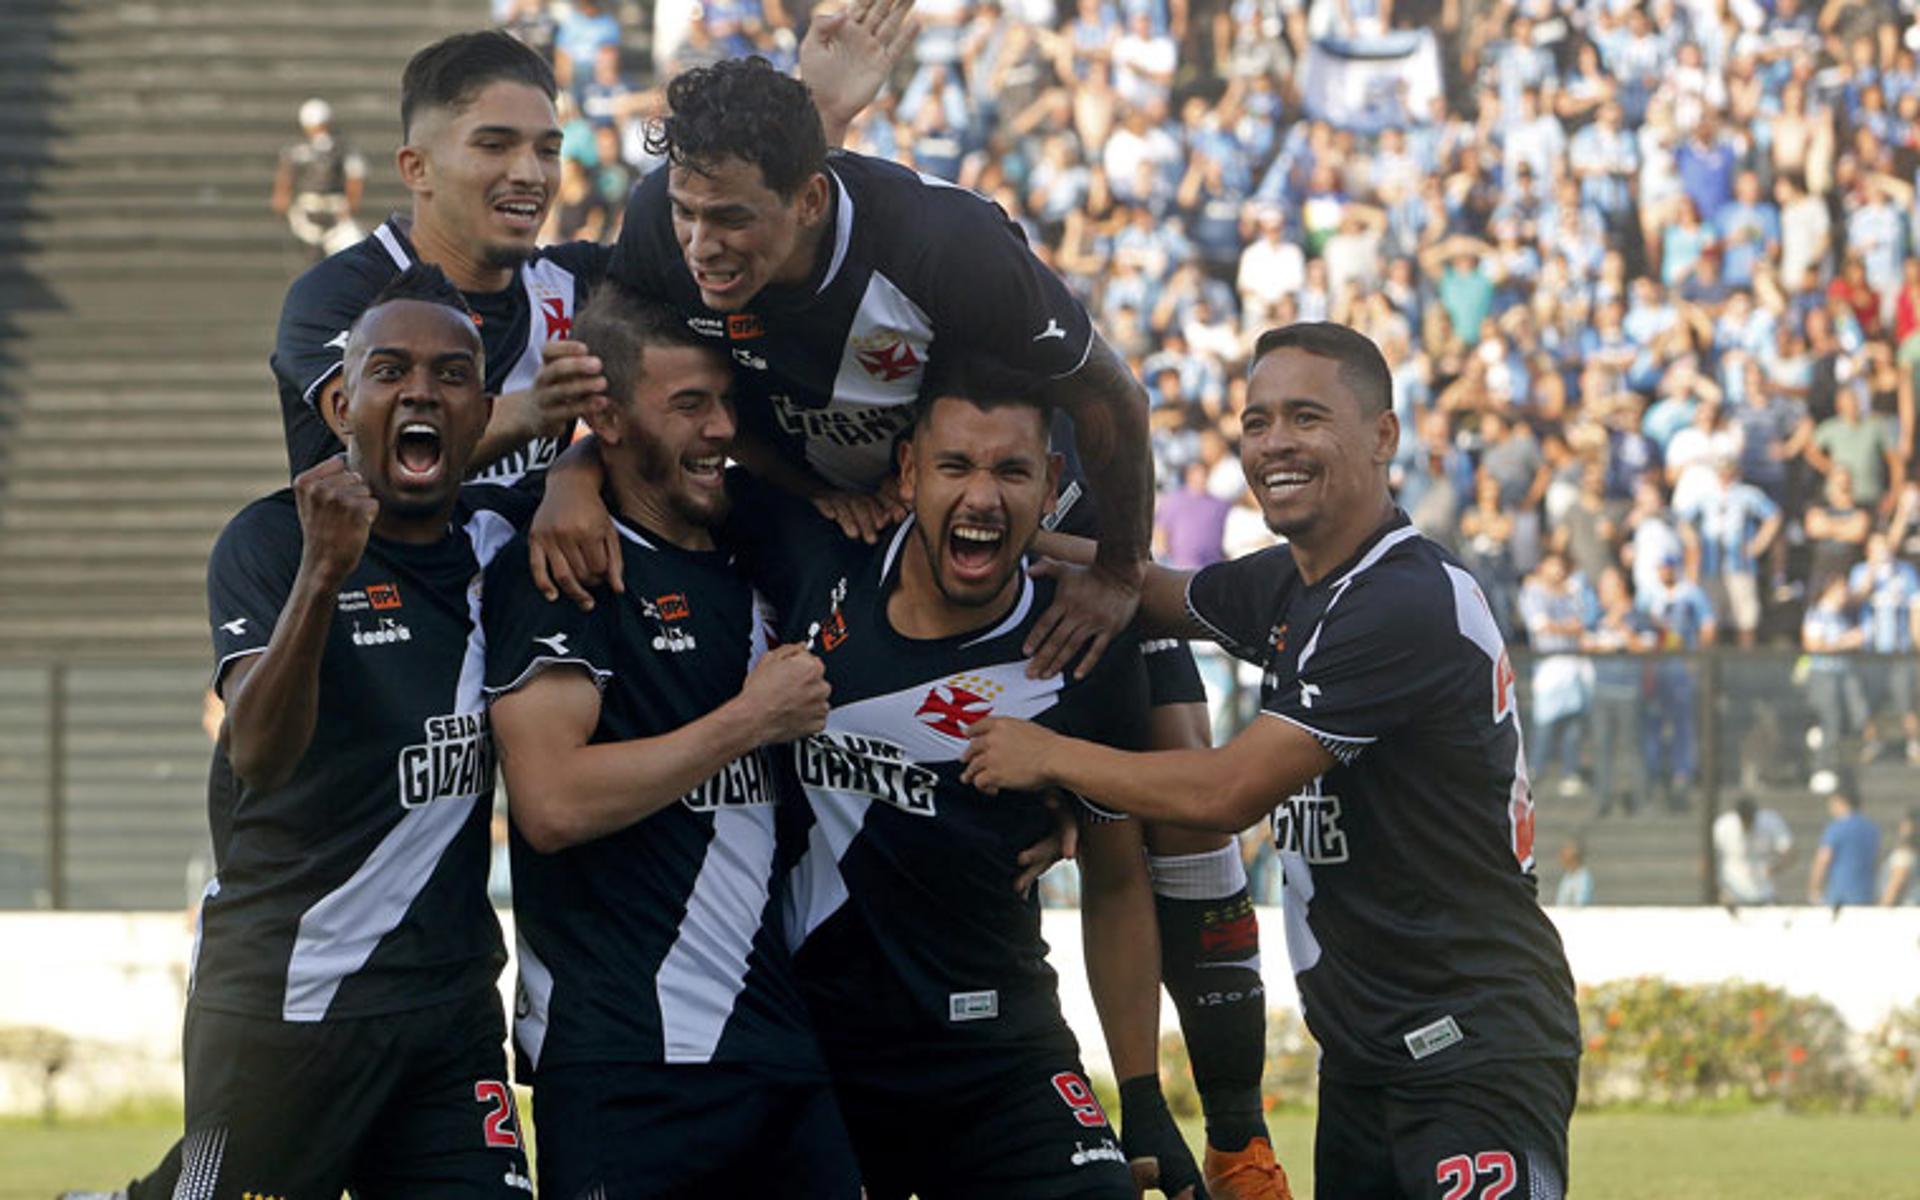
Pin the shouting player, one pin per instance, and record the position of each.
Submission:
(832, 280)
(343, 1028)
(1397, 783)
(659, 1022)
(924, 971)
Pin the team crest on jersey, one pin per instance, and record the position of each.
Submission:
(559, 320)
(454, 763)
(886, 356)
(954, 704)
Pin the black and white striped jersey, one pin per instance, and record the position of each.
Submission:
(358, 887)
(911, 937)
(828, 370)
(1412, 913)
(658, 943)
(515, 324)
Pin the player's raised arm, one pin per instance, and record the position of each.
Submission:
(1109, 410)
(564, 791)
(273, 697)
(1162, 611)
(847, 56)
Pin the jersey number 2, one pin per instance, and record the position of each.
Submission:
(498, 1123)
(1459, 1174)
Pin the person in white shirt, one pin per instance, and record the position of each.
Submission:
(1752, 845)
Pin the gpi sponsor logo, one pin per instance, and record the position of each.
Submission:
(866, 766)
(454, 763)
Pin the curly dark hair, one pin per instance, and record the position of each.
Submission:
(742, 108)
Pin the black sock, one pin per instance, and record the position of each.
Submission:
(1210, 962)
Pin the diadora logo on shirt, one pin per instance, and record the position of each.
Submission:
(237, 627)
(742, 783)
(668, 637)
(866, 766)
(385, 633)
(557, 643)
(954, 704)
(454, 763)
(1308, 825)
(886, 356)
(1052, 331)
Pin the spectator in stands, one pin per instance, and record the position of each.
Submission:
(1828, 630)
(1682, 616)
(1554, 607)
(1901, 878)
(1616, 630)
(583, 30)
(1734, 524)
(318, 184)
(1836, 530)
(1848, 859)
(1190, 523)
(1851, 438)
(1752, 846)
(1575, 889)
(1886, 592)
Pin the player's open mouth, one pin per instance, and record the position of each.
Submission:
(714, 280)
(416, 451)
(707, 471)
(973, 549)
(1284, 483)
(521, 212)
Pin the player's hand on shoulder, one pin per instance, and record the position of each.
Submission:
(572, 543)
(337, 511)
(1091, 605)
(847, 55)
(788, 692)
(1006, 753)
(861, 515)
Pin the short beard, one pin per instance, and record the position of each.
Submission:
(657, 470)
(930, 544)
(505, 257)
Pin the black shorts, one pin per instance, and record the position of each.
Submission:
(1031, 1130)
(620, 1131)
(406, 1104)
(1497, 1130)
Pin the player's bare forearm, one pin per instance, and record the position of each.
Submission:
(510, 426)
(273, 698)
(1109, 410)
(1163, 591)
(563, 791)
(1224, 789)
(1121, 939)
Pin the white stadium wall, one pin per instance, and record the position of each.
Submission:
(97, 996)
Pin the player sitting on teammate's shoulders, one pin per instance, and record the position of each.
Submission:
(1397, 783)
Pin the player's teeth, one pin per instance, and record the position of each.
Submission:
(976, 535)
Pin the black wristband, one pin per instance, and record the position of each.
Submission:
(1141, 1100)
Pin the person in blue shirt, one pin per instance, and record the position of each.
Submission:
(1736, 524)
(1887, 591)
(1683, 617)
(1749, 230)
(1849, 854)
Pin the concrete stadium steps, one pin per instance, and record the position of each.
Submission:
(140, 285)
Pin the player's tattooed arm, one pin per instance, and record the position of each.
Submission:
(568, 388)
(1109, 411)
(848, 55)
(1162, 612)
(563, 791)
(1225, 788)
(572, 543)
(273, 697)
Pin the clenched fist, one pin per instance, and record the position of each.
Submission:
(787, 691)
(337, 512)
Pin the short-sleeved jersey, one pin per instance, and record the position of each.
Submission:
(828, 369)
(515, 324)
(359, 886)
(1413, 918)
(912, 939)
(659, 943)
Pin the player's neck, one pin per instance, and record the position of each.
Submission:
(1315, 556)
(466, 269)
(412, 530)
(646, 506)
(917, 608)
